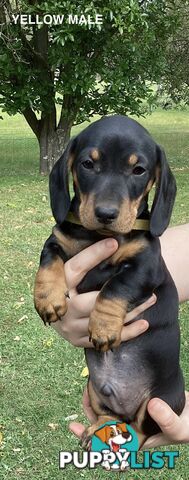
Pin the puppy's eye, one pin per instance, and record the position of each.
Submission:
(138, 170)
(88, 164)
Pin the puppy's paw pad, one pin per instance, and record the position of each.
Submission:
(86, 440)
(104, 343)
(50, 308)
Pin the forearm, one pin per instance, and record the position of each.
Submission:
(175, 251)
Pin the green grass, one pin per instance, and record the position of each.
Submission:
(41, 373)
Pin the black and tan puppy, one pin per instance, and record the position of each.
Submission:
(114, 163)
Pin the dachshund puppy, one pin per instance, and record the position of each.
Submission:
(114, 163)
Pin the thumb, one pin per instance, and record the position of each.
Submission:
(77, 428)
(167, 420)
(77, 267)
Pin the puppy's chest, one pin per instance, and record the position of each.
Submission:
(78, 241)
(122, 259)
(95, 278)
(71, 245)
(120, 262)
(98, 276)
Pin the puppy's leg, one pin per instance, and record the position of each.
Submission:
(119, 294)
(106, 322)
(50, 290)
(102, 415)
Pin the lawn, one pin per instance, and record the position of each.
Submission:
(41, 380)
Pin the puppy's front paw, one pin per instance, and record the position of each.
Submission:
(103, 338)
(51, 306)
(106, 323)
(86, 438)
(50, 295)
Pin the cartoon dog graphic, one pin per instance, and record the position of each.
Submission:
(114, 436)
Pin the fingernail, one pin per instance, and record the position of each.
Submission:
(155, 405)
(143, 325)
(157, 408)
(151, 300)
(111, 242)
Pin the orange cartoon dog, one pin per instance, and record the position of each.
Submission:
(114, 436)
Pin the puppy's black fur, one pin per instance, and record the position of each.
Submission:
(114, 163)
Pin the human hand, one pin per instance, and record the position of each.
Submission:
(175, 429)
(74, 326)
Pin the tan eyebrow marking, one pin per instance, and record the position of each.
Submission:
(95, 155)
(132, 159)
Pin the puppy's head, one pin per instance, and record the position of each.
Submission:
(114, 164)
(114, 435)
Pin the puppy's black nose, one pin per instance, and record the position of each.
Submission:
(106, 214)
(126, 434)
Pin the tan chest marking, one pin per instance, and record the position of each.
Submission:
(70, 245)
(128, 250)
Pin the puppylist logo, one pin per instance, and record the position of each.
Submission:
(114, 447)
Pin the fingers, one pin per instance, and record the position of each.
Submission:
(74, 327)
(82, 341)
(77, 334)
(133, 330)
(141, 308)
(128, 332)
(174, 429)
(171, 424)
(83, 304)
(140, 326)
(77, 267)
(77, 428)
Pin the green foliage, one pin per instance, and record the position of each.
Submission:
(97, 69)
(176, 76)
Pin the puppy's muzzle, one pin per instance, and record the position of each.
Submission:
(126, 435)
(106, 215)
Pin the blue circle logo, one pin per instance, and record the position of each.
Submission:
(115, 440)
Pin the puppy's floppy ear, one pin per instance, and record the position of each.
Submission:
(122, 427)
(102, 433)
(164, 195)
(59, 184)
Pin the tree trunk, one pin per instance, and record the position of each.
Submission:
(52, 138)
(52, 143)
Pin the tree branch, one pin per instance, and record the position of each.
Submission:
(32, 121)
(41, 41)
(35, 55)
(69, 110)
